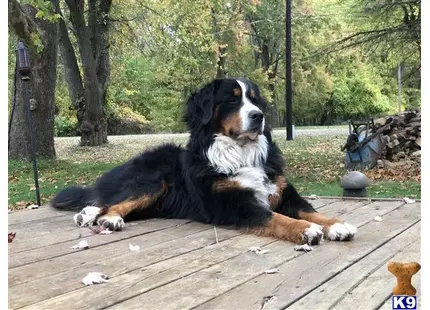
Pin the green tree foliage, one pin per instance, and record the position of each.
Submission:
(345, 57)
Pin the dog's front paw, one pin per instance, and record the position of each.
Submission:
(87, 216)
(313, 235)
(341, 232)
(111, 222)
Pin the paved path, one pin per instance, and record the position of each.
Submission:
(299, 132)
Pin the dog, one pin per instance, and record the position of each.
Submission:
(229, 174)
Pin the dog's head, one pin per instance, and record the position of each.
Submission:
(230, 107)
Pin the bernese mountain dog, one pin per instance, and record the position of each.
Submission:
(229, 174)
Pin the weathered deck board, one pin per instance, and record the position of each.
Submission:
(180, 266)
(112, 246)
(350, 289)
(297, 277)
(115, 266)
(56, 250)
(33, 215)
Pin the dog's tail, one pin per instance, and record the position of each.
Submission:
(74, 198)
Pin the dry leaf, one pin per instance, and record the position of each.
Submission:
(100, 231)
(95, 278)
(378, 219)
(81, 245)
(257, 250)
(33, 207)
(133, 248)
(304, 247)
(271, 271)
(313, 197)
(11, 236)
(408, 200)
(105, 232)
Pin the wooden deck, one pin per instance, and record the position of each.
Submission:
(181, 266)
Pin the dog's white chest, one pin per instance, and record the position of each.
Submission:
(244, 163)
(256, 179)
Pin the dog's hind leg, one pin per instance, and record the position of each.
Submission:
(114, 217)
(292, 204)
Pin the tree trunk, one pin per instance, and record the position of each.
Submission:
(93, 48)
(72, 74)
(41, 89)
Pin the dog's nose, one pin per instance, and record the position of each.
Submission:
(256, 116)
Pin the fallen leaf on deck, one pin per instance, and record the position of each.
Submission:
(313, 197)
(378, 219)
(271, 271)
(81, 245)
(95, 278)
(133, 248)
(105, 232)
(33, 207)
(257, 250)
(408, 200)
(100, 231)
(11, 236)
(304, 247)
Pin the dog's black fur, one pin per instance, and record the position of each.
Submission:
(181, 180)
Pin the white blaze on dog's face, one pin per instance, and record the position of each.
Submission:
(239, 110)
(251, 116)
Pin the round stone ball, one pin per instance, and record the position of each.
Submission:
(354, 180)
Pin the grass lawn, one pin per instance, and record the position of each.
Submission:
(314, 165)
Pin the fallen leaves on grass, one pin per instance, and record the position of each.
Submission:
(11, 236)
(401, 171)
(95, 278)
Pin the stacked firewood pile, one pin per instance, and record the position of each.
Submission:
(402, 135)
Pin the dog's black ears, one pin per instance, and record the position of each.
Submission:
(200, 105)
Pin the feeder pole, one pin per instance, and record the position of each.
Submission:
(288, 72)
(24, 69)
(399, 80)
